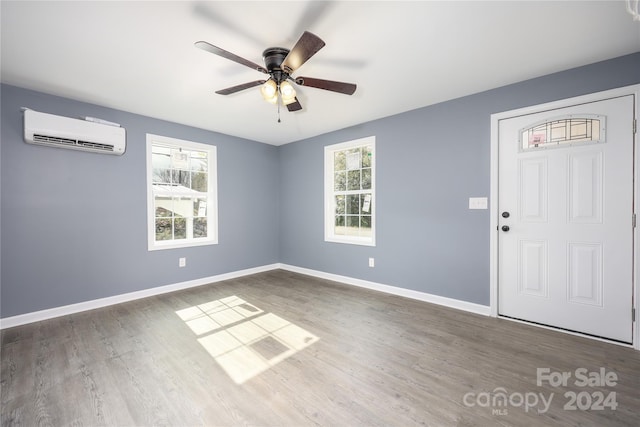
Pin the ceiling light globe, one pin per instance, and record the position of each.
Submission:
(269, 90)
(288, 93)
(273, 99)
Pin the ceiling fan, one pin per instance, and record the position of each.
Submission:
(279, 64)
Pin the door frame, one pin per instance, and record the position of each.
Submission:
(494, 191)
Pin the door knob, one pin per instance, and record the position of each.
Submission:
(505, 228)
(505, 214)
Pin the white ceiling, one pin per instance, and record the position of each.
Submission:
(139, 56)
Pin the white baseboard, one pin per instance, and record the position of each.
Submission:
(37, 316)
(484, 310)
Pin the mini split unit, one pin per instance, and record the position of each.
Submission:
(90, 134)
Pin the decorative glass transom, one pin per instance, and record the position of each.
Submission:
(563, 131)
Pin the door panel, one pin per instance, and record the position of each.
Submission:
(585, 188)
(533, 278)
(533, 189)
(585, 273)
(566, 258)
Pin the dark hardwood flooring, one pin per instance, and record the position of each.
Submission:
(330, 355)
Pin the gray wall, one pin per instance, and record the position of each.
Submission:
(430, 161)
(74, 224)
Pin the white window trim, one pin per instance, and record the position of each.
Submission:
(212, 199)
(329, 199)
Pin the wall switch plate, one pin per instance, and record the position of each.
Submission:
(182, 262)
(478, 203)
(372, 262)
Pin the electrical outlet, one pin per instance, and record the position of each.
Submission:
(182, 262)
(372, 262)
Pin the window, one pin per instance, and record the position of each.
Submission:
(349, 170)
(181, 193)
(563, 132)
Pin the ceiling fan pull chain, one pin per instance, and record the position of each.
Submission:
(278, 102)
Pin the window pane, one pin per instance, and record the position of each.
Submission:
(353, 180)
(199, 161)
(365, 223)
(180, 177)
(199, 181)
(353, 204)
(366, 156)
(366, 179)
(558, 132)
(340, 208)
(366, 203)
(161, 176)
(164, 206)
(160, 158)
(580, 129)
(365, 226)
(339, 161)
(182, 206)
(163, 229)
(340, 181)
(199, 207)
(339, 228)
(353, 225)
(563, 132)
(199, 227)
(354, 159)
(179, 228)
(180, 159)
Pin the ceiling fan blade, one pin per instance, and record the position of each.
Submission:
(305, 48)
(238, 88)
(341, 87)
(294, 106)
(233, 57)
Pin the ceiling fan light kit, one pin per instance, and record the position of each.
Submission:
(280, 63)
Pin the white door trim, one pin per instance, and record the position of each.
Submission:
(493, 207)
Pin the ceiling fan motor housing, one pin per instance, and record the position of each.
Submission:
(273, 58)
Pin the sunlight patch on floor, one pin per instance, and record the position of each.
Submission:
(243, 339)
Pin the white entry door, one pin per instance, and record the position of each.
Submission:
(566, 218)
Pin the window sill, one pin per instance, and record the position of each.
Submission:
(350, 241)
(178, 245)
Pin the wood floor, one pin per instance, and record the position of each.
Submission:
(330, 355)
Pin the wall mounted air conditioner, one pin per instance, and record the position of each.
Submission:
(94, 135)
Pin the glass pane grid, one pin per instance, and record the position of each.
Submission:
(178, 175)
(560, 132)
(180, 167)
(352, 192)
(353, 214)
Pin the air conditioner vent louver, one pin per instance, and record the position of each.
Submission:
(96, 145)
(64, 132)
(44, 139)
